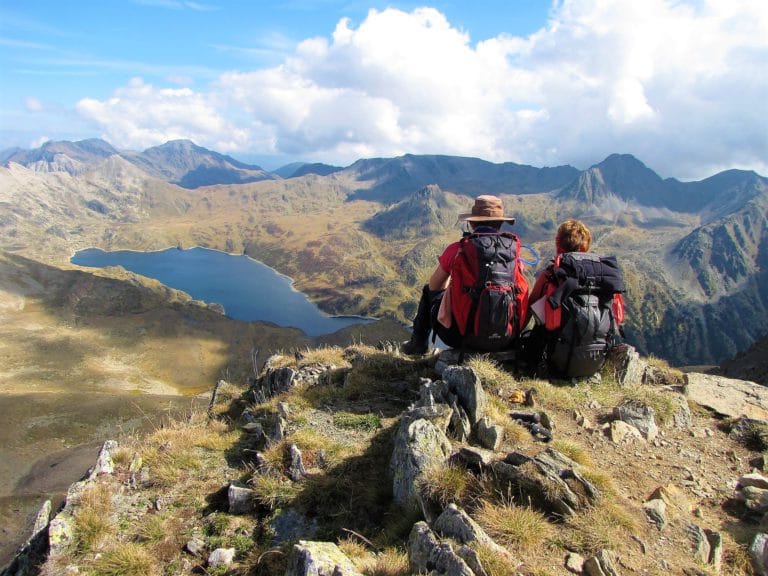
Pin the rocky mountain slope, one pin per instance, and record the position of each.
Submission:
(751, 364)
(89, 353)
(358, 461)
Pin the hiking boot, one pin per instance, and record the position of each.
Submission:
(415, 346)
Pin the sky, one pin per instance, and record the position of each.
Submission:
(680, 84)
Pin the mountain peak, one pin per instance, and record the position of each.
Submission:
(619, 175)
(190, 166)
(423, 213)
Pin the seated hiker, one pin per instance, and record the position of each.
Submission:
(577, 306)
(477, 295)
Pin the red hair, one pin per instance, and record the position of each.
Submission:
(573, 236)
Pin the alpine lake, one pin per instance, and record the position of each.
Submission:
(247, 289)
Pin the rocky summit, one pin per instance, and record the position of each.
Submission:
(359, 461)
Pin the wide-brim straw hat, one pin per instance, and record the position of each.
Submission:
(487, 209)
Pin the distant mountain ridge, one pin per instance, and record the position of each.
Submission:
(395, 177)
(624, 176)
(179, 162)
(72, 157)
(620, 176)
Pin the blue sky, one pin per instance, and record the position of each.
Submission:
(682, 85)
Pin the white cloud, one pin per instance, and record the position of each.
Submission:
(32, 104)
(39, 141)
(141, 115)
(683, 86)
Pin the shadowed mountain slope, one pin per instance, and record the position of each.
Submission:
(749, 365)
(315, 168)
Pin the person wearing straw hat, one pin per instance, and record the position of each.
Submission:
(434, 310)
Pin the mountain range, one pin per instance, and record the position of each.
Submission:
(695, 254)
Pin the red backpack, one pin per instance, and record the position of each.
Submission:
(489, 294)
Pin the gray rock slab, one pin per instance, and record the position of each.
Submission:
(728, 396)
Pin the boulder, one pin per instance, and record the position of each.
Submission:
(602, 564)
(681, 416)
(472, 558)
(418, 446)
(465, 383)
(629, 367)
(437, 402)
(639, 415)
(456, 524)
(758, 550)
(728, 397)
(574, 563)
(473, 458)
(549, 481)
(656, 511)
(488, 434)
(240, 499)
(754, 498)
(622, 433)
(104, 464)
(753, 479)
(310, 558)
(707, 545)
(195, 546)
(296, 470)
(750, 432)
(32, 553)
(221, 557)
(427, 554)
(275, 381)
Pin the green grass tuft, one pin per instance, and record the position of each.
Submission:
(127, 559)
(356, 421)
